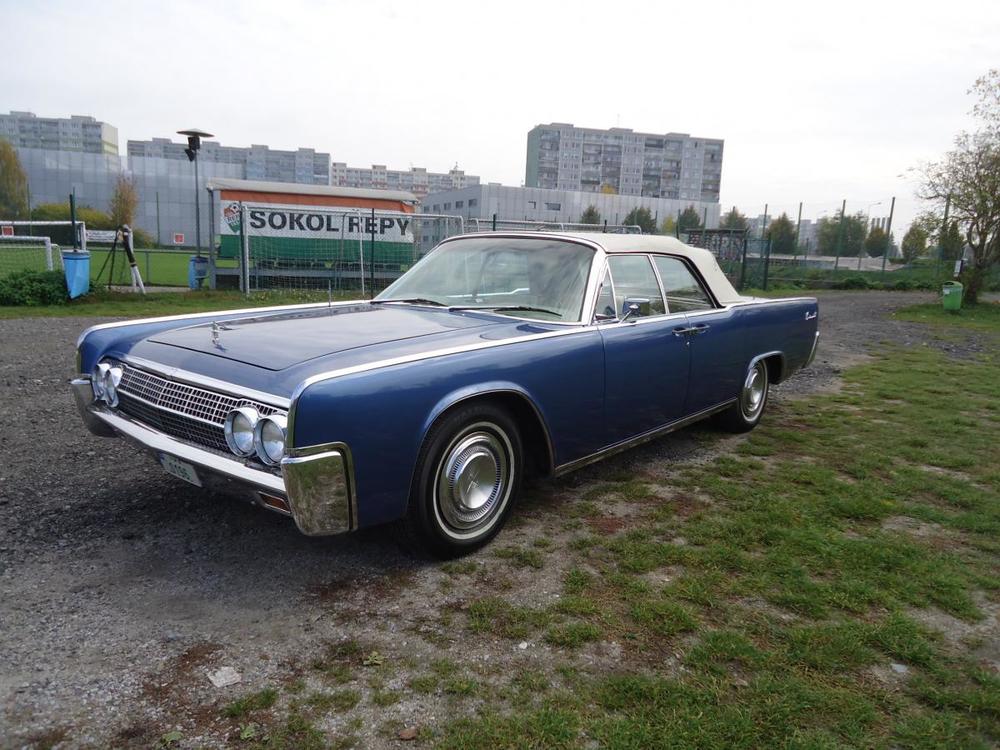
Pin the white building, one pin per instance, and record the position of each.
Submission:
(416, 180)
(63, 155)
(510, 203)
(673, 165)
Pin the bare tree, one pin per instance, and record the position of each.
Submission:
(124, 202)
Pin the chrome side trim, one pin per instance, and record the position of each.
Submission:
(812, 352)
(640, 439)
(321, 492)
(193, 378)
(765, 355)
(416, 357)
(156, 442)
(83, 395)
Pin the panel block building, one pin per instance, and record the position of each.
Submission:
(416, 180)
(675, 166)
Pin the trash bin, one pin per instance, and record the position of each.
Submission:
(197, 271)
(951, 295)
(77, 267)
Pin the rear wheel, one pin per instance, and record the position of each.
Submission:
(468, 477)
(744, 415)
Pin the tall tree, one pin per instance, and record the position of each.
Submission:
(642, 217)
(733, 219)
(849, 238)
(914, 243)
(124, 202)
(781, 232)
(877, 243)
(689, 219)
(13, 184)
(590, 215)
(669, 226)
(969, 175)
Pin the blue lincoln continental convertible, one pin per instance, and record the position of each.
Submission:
(498, 355)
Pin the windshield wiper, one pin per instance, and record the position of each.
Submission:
(508, 308)
(411, 301)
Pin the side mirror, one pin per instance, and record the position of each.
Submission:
(638, 306)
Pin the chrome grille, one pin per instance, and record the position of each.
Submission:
(178, 409)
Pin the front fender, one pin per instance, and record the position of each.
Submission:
(474, 390)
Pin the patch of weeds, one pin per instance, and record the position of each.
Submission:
(572, 634)
(249, 703)
(296, 733)
(544, 728)
(338, 700)
(499, 617)
(576, 581)
(542, 542)
(521, 557)
(574, 604)
(663, 617)
(459, 567)
(531, 681)
(386, 697)
(459, 686)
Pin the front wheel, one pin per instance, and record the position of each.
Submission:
(744, 415)
(468, 478)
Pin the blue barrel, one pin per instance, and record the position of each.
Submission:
(77, 267)
(197, 271)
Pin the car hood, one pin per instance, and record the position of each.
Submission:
(277, 342)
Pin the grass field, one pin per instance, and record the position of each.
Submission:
(158, 267)
(829, 581)
(129, 305)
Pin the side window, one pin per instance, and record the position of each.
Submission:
(681, 288)
(634, 277)
(605, 309)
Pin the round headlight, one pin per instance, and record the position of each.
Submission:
(97, 379)
(112, 377)
(239, 430)
(269, 438)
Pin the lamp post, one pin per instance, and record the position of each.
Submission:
(194, 137)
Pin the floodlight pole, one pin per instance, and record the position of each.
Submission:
(194, 137)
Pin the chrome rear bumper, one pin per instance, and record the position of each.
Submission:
(316, 481)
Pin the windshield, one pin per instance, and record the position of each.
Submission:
(545, 279)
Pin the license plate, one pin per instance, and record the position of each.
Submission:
(180, 469)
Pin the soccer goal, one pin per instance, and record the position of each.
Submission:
(20, 253)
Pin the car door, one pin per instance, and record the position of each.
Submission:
(645, 361)
(716, 341)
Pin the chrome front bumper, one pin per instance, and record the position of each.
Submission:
(316, 481)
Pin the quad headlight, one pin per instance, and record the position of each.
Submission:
(104, 380)
(269, 438)
(239, 430)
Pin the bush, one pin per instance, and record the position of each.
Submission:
(33, 288)
(853, 282)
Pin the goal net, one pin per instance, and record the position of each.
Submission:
(19, 253)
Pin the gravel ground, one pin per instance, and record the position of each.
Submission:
(122, 587)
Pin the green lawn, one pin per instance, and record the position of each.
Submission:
(129, 305)
(984, 316)
(157, 267)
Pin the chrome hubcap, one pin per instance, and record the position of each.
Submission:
(752, 399)
(474, 478)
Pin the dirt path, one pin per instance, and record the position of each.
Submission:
(121, 587)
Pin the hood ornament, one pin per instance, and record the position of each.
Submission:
(216, 327)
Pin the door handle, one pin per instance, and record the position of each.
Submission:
(810, 315)
(691, 330)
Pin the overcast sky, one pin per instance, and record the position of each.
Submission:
(816, 102)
